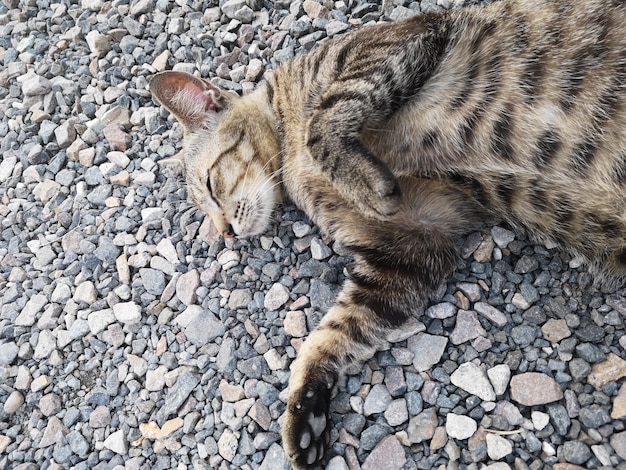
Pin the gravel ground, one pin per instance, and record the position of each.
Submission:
(133, 336)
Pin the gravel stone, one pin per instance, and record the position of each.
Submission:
(387, 454)
(276, 297)
(377, 400)
(203, 326)
(117, 443)
(460, 427)
(467, 328)
(576, 452)
(50, 404)
(13, 402)
(498, 447)
(594, 416)
(499, 376)
(427, 350)
(8, 353)
(618, 442)
(422, 427)
(100, 417)
(473, 379)
(533, 388)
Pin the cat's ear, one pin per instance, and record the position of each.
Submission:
(191, 100)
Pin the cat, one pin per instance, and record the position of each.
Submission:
(398, 138)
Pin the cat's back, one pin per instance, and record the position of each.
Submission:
(528, 106)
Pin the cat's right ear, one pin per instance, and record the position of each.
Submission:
(191, 100)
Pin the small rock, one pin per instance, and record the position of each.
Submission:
(100, 417)
(127, 312)
(152, 280)
(275, 459)
(510, 412)
(155, 379)
(575, 452)
(50, 404)
(427, 350)
(497, 446)
(336, 463)
(618, 442)
(540, 420)
(502, 236)
(260, 413)
(231, 393)
(118, 139)
(177, 395)
(8, 353)
(594, 416)
(36, 85)
(441, 310)
(440, 438)
(227, 445)
(117, 443)
(13, 402)
(203, 326)
(613, 369)
(186, 287)
(78, 443)
(86, 292)
(534, 388)
(467, 327)
(422, 427)
(555, 330)
(54, 433)
(377, 400)
(499, 376)
(39, 383)
(276, 297)
(295, 324)
(388, 454)
(526, 264)
(459, 426)
(239, 298)
(473, 379)
(319, 250)
(28, 315)
(619, 404)
(491, 313)
(98, 43)
(397, 412)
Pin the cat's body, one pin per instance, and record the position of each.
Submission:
(395, 139)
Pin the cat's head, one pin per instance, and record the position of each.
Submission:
(230, 151)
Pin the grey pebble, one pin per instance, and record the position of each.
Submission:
(576, 452)
(185, 383)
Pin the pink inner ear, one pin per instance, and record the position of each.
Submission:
(201, 95)
(210, 104)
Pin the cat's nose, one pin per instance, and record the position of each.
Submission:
(229, 232)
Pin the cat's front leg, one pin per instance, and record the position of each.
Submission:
(390, 282)
(348, 333)
(359, 176)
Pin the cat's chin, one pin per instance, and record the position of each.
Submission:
(254, 228)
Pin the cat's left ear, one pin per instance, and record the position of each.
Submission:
(191, 100)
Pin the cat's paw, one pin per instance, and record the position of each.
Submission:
(387, 196)
(306, 431)
(376, 191)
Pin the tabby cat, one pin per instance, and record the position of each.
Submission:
(397, 138)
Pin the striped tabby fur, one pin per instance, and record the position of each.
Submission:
(384, 133)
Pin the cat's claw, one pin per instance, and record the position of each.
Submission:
(306, 432)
